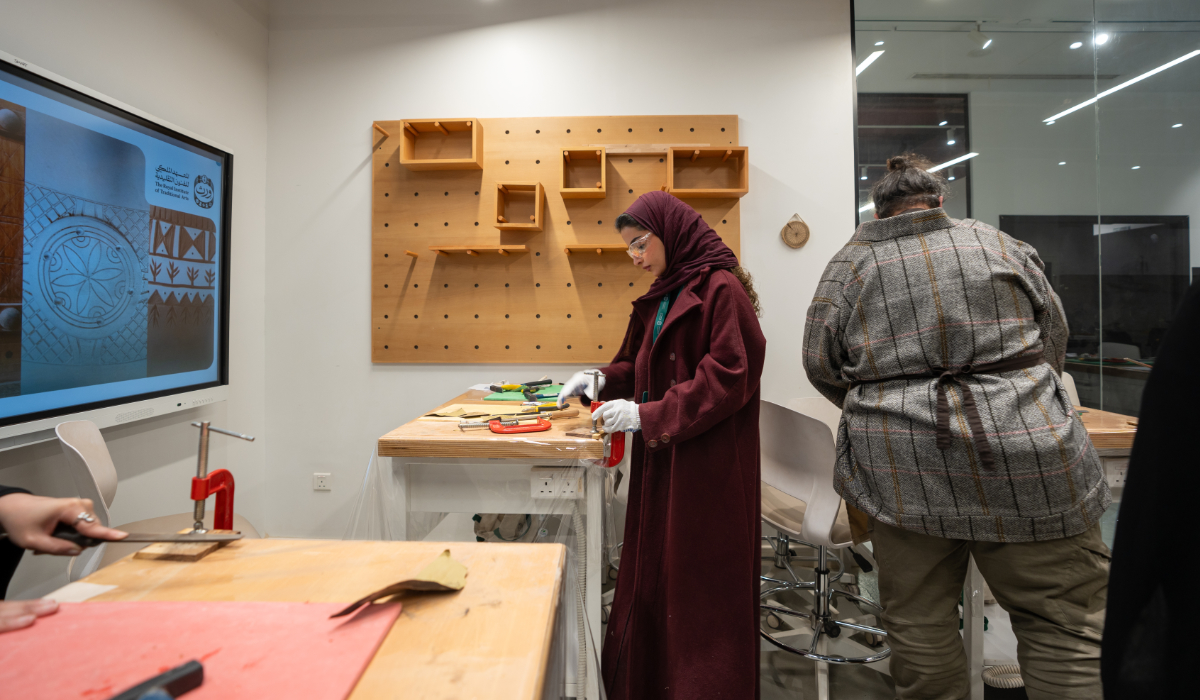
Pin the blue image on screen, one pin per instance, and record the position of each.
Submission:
(109, 256)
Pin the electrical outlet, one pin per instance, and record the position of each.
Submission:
(322, 481)
(1116, 476)
(570, 487)
(543, 486)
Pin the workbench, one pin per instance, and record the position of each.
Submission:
(501, 649)
(1112, 436)
(438, 468)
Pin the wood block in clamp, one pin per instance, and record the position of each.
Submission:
(182, 551)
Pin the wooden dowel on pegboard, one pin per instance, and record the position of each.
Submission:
(502, 252)
(502, 188)
(443, 129)
(442, 252)
(567, 156)
(567, 251)
(597, 155)
(532, 218)
(599, 251)
(695, 155)
(727, 154)
(663, 188)
(472, 253)
(381, 130)
(469, 124)
(411, 129)
(410, 253)
(501, 219)
(598, 185)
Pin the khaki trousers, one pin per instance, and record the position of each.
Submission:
(1055, 593)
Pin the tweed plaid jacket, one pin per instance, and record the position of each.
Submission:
(920, 291)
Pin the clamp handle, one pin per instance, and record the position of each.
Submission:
(498, 427)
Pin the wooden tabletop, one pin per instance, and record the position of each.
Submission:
(425, 437)
(1109, 430)
(489, 640)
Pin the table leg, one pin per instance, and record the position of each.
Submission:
(400, 475)
(973, 628)
(595, 575)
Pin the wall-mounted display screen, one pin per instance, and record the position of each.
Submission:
(114, 243)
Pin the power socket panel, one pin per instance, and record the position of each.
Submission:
(322, 481)
(546, 484)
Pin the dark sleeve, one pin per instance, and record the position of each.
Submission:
(619, 375)
(1162, 478)
(725, 379)
(10, 554)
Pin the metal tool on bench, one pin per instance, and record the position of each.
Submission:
(64, 531)
(219, 482)
(499, 388)
(511, 424)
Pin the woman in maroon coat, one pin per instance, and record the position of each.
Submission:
(684, 622)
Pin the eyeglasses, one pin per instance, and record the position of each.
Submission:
(637, 249)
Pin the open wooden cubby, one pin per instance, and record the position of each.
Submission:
(583, 173)
(708, 172)
(520, 206)
(442, 144)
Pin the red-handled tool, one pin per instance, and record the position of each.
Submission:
(614, 443)
(508, 427)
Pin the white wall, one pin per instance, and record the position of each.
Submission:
(203, 67)
(784, 67)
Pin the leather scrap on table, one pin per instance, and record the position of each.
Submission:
(442, 575)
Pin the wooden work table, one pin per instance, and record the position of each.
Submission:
(490, 640)
(1109, 431)
(439, 437)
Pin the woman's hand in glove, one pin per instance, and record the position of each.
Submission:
(620, 416)
(578, 384)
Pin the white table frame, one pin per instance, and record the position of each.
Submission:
(489, 485)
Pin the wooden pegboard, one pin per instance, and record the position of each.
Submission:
(540, 305)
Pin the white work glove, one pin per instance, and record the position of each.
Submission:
(620, 416)
(578, 384)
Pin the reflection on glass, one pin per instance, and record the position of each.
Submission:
(1085, 123)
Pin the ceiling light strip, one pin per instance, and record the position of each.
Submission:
(867, 61)
(1123, 85)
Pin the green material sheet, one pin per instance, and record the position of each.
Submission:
(551, 389)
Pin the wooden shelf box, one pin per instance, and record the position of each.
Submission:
(443, 144)
(520, 206)
(597, 248)
(708, 172)
(583, 173)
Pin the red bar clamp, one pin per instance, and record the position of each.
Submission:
(615, 442)
(220, 482)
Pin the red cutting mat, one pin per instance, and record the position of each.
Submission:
(249, 650)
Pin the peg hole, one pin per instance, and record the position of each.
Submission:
(599, 284)
(599, 221)
(447, 194)
(476, 223)
(537, 284)
(506, 284)
(506, 131)
(445, 285)
(416, 194)
(447, 223)
(539, 315)
(385, 255)
(568, 131)
(476, 315)
(692, 129)
(568, 284)
(385, 286)
(505, 347)
(446, 347)
(387, 165)
(630, 160)
(385, 225)
(724, 221)
(569, 347)
(660, 128)
(505, 315)
(385, 347)
(445, 315)
(386, 194)
(597, 131)
(537, 162)
(568, 223)
(506, 162)
(568, 316)
(601, 347)
(630, 191)
(385, 315)
(416, 224)
(599, 315)
(476, 284)
(722, 128)
(414, 286)
(539, 347)
(476, 347)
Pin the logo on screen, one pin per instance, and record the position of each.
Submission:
(203, 190)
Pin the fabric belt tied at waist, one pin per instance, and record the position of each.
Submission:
(958, 376)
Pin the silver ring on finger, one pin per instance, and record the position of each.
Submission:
(85, 517)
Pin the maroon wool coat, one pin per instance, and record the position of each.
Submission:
(684, 621)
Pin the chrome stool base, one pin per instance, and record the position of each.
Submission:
(820, 618)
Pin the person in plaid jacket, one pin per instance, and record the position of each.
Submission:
(943, 343)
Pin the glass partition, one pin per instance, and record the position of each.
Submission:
(1069, 124)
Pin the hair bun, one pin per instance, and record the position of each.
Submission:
(897, 163)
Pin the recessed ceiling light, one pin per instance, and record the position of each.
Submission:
(1127, 83)
(1062, 162)
(950, 140)
(1136, 167)
(879, 43)
(1077, 45)
(1101, 39)
(943, 123)
(1176, 126)
(862, 173)
(950, 178)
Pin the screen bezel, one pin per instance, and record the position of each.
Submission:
(23, 70)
